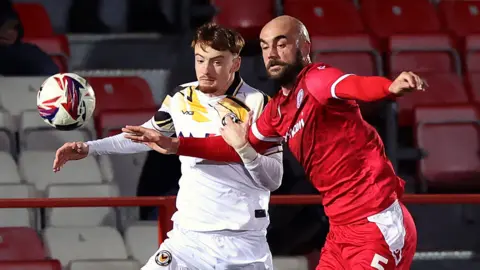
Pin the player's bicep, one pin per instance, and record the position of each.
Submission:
(323, 82)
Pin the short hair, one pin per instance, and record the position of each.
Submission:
(219, 38)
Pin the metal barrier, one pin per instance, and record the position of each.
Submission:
(166, 205)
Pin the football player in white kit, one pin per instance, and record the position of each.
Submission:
(222, 213)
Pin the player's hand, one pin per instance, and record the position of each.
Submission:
(152, 138)
(236, 134)
(407, 82)
(69, 151)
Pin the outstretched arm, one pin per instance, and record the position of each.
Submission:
(118, 144)
(327, 82)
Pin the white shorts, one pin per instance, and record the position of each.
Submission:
(224, 250)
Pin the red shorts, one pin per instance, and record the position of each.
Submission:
(385, 241)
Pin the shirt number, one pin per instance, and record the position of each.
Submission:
(377, 259)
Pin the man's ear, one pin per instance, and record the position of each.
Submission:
(237, 62)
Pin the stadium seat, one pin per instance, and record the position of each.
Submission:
(353, 53)
(141, 240)
(105, 265)
(112, 122)
(461, 17)
(84, 243)
(121, 93)
(159, 81)
(9, 169)
(35, 20)
(426, 53)
(31, 265)
(55, 46)
(389, 17)
(18, 94)
(16, 217)
(242, 17)
(16, 241)
(289, 263)
(450, 138)
(321, 17)
(474, 86)
(444, 89)
(82, 216)
(472, 53)
(7, 130)
(34, 130)
(36, 168)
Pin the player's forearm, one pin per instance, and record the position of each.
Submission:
(267, 170)
(365, 88)
(216, 149)
(211, 148)
(117, 144)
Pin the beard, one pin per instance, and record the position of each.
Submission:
(207, 89)
(288, 74)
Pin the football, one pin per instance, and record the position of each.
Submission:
(65, 101)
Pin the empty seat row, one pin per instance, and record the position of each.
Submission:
(35, 167)
(80, 216)
(383, 18)
(73, 244)
(449, 137)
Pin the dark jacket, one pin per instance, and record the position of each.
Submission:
(22, 59)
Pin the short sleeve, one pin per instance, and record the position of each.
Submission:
(322, 81)
(162, 120)
(262, 129)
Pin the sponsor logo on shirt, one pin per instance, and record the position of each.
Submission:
(294, 130)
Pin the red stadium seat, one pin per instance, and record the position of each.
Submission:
(472, 53)
(474, 86)
(389, 17)
(55, 46)
(31, 265)
(120, 93)
(461, 17)
(426, 53)
(450, 138)
(352, 54)
(321, 17)
(247, 16)
(111, 122)
(35, 20)
(19, 243)
(445, 89)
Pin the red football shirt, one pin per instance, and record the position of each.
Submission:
(342, 154)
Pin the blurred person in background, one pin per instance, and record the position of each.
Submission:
(16, 57)
(222, 207)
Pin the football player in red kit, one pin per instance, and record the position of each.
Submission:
(316, 114)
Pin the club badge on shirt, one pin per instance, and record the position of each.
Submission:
(163, 258)
(299, 98)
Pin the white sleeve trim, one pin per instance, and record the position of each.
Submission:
(334, 85)
(259, 135)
